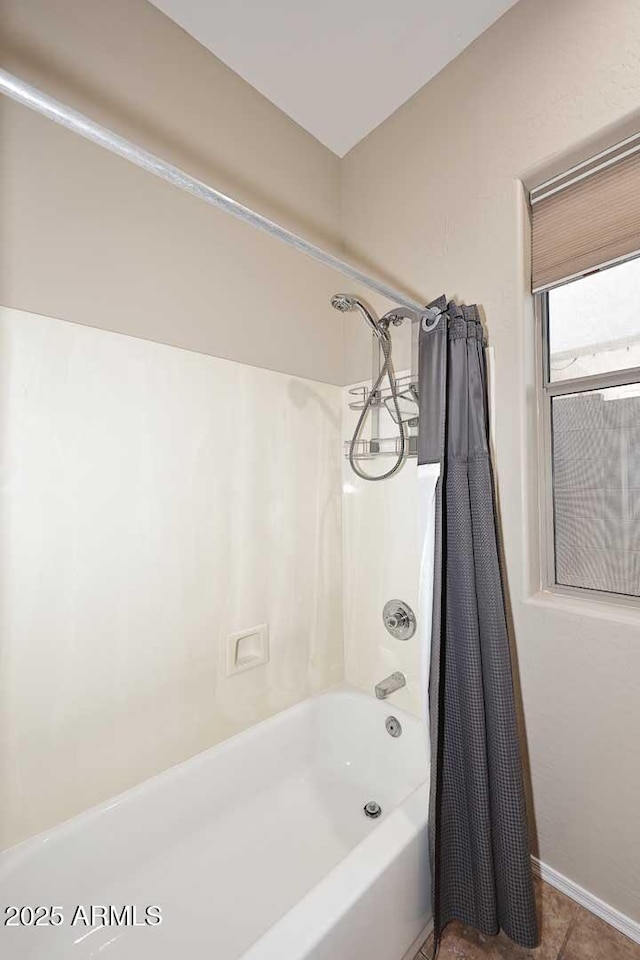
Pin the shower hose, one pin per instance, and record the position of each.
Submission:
(387, 370)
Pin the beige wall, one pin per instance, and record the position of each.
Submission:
(433, 194)
(154, 501)
(90, 238)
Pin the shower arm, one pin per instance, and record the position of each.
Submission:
(29, 96)
(428, 317)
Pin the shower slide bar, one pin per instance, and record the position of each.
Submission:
(29, 96)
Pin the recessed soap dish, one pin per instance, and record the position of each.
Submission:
(247, 649)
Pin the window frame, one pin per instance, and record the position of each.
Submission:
(546, 391)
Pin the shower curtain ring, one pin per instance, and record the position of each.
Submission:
(430, 318)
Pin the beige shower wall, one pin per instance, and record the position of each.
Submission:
(90, 238)
(154, 502)
(433, 194)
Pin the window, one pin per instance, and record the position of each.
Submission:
(590, 348)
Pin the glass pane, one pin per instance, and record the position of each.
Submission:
(596, 489)
(594, 323)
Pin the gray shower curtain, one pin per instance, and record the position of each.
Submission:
(480, 859)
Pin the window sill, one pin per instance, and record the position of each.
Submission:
(573, 604)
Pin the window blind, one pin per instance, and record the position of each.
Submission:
(588, 217)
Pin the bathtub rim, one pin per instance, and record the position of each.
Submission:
(11, 857)
(345, 883)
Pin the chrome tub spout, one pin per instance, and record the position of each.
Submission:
(390, 685)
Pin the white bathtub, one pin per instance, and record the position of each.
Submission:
(258, 848)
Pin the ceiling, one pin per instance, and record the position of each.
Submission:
(336, 67)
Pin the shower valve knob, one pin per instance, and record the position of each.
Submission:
(399, 619)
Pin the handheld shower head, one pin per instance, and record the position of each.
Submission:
(344, 303)
(372, 398)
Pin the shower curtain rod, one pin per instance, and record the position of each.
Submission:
(53, 109)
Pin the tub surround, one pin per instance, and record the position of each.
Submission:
(373, 515)
(155, 501)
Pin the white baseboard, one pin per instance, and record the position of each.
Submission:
(630, 928)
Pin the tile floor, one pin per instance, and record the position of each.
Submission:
(567, 932)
